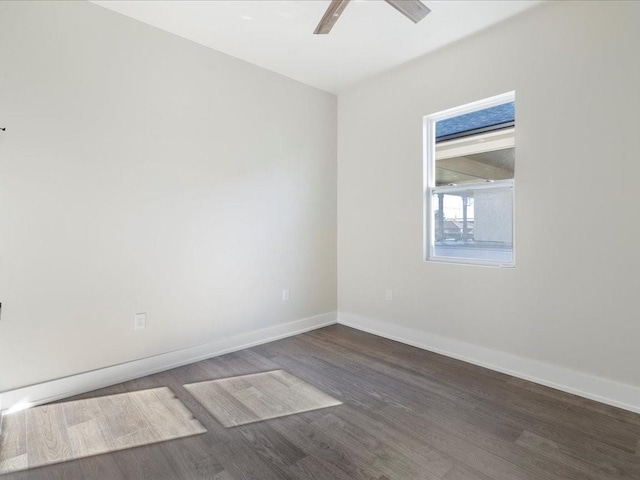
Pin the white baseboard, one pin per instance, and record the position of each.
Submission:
(578, 383)
(589, 386)
(85, 382)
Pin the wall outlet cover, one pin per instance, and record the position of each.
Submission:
(140, 321)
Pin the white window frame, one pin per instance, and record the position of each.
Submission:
(430, 188)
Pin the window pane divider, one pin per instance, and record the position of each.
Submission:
(472, 186)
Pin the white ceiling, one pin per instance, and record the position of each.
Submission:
(369, 38)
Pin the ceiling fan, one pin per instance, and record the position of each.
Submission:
(414, 10)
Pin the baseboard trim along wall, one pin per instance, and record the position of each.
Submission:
(578, 383)
(85, 382)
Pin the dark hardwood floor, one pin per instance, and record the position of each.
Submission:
(407, 414)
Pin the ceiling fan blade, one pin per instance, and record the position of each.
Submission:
(330, 17)
(414, 10)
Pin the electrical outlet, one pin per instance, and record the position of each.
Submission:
(285, 295)
(140, 321)
(389, 294)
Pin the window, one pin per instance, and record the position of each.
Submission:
(469, 183)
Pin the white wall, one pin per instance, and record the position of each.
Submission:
(573, 299)
(142, 172)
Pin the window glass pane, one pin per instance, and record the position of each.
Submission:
(474, 224)
(478, 158)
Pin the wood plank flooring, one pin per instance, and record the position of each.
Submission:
(256, 397)
(406, 414)
(61, 432)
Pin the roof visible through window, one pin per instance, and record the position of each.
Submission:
(492, 118)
